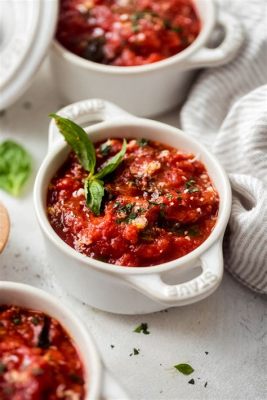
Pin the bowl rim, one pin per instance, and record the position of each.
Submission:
(198, 43)
(215, 236)
(62, 310)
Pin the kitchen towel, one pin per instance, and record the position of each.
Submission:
(227, 111)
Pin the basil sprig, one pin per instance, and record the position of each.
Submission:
(78, 140)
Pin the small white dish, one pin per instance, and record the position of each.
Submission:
(129, 290)
(99, 382)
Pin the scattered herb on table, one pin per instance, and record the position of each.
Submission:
(185, 369)
(15, 167)
(206, 352)
(192, 381)
(206, 384)
(142, 328)
(78, 140)
(112, 346)
(135, 352)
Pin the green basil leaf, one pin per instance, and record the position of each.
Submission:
(185, 369)
(78, 140)
(15, 167)
(111, 164)
(94, 192)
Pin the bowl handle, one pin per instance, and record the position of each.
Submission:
(187, 292)
(227, 49)
(86, 112)
(111, 390)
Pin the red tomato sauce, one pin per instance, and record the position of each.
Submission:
(38, 360)
(127, 32)
(159, 205)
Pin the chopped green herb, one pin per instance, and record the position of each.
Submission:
(126, 208)
(131, 216)
(112, 346)
(76, 379)
(15, 167)
(105, 149)
(206, 352)
(153, 203)
(193, 231)
(206, 384)
(177, 29)
(193, 190)
(35, 321)
(2, 368)
(185, 369)
(16, 320)
(142, 142)
(192, 381)
(190, 183)
(168, 25)
(142, 328)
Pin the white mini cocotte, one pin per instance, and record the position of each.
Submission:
(129, 290)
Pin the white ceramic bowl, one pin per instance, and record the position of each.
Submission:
(100, 382)
(129, 290)
(154, 88)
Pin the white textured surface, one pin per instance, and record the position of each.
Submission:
(231, 325)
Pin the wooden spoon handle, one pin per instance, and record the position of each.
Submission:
(4, 227)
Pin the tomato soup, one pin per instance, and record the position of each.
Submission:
(159, 205)
(38, 359)
(127, 32)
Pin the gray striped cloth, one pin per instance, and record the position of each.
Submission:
(227, 111)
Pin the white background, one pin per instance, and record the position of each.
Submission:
(231, 325)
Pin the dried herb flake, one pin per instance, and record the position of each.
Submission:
(142, 328)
